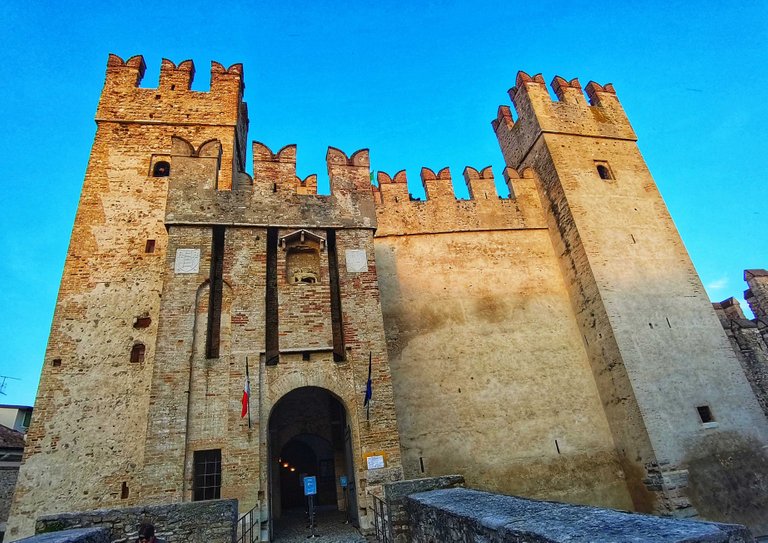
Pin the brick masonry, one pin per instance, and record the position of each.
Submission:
(554, 344)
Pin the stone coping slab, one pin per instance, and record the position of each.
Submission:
(78, 535)
(459, 512)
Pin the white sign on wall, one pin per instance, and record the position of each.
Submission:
(357, 260)
(375, 462)
(187, 261)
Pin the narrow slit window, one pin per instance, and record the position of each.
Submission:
(161, 169)
(150, 246)
(272, 338)
(337, 323)
(213, 336)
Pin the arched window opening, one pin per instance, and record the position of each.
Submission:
(603, 170)
(137, 353)
(302, 264)
(161, 169)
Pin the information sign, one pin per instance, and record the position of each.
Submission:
(310, 486)
(375, 461)
(343, 481)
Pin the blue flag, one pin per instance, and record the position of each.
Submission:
(368, 389)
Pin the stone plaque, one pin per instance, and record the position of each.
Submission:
(187, 261)
(357, 260)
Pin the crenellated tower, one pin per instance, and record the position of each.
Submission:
(272, 277)
(93, 401)
(671, 386)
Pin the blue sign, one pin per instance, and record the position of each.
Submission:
(310, 486)
(343, 481)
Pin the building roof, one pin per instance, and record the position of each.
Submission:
(11, 439)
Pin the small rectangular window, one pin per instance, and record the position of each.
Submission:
(705, 414)
(150, 246)
(207, 475)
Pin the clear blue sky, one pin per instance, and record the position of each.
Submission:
(418, 83)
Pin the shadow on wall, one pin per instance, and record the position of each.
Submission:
(729, 480)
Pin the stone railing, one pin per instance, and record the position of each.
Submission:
(460, 514)
(213, 521)
(392, 520)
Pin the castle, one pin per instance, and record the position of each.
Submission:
(555, 344)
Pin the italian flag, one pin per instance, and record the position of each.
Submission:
(246, 392)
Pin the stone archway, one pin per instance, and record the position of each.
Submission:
(309, 434)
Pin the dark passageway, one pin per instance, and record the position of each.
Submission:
(309, 436)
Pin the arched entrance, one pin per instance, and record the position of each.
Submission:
(309, 435)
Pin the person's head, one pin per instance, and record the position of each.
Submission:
(146, 533)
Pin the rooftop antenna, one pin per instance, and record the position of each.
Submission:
(3, 379)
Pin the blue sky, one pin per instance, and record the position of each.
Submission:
(418, 83)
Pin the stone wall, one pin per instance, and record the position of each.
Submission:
(394, 501)
(8, 478)
(458, 514)
(212, 521)
(490, 372)
(749, 344)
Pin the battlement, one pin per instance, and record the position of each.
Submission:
(398, 213)
(275, 196)
(172, 101)
(571, 113)
(757, 294)
(275, 173)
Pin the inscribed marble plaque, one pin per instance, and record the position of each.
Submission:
(187, 261)
(357, 260)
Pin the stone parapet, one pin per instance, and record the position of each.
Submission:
(460, 514)
(79, 535)
(213, 521)
(394, 498)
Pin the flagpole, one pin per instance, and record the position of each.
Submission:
(248, 380)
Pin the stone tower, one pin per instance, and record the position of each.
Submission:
(687, 428)
(92, 405)
(181, 268)
(276, 275)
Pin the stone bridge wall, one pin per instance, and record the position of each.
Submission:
(459, 514)
(213, 521)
